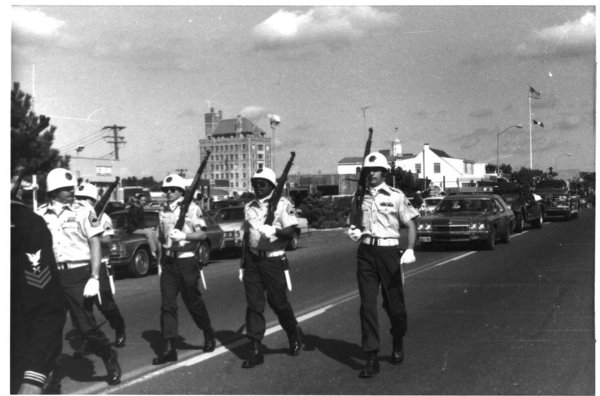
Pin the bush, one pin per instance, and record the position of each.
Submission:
(326, 212)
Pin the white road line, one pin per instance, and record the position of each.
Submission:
(274, 329)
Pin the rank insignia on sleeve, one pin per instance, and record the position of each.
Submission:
(291, 211)
(94, 219)
(37, 277)
(407, 203)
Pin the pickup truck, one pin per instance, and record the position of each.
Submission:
(559, 200)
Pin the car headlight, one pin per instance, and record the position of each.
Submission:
(477, 226)
(424, 227)
(562, 198)
(117, 249)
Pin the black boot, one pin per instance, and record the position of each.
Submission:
(256, 356)
(83, 350)
(169, 354)
(397, 351)
(209, 340)
(113, 369)
(120, 338)
(371, 368)
(295, 341)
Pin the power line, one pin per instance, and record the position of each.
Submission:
(78, 141)
(116, 138)
(82, 143)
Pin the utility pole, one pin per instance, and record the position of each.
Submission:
(181, 172)
(116, 139)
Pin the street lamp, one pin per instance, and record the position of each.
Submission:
(556, 160)
(498, 145)
(274, 120)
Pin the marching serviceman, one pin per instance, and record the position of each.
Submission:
(76, 233)
(179, 271)
(37, 307)
(264, 266)
(384, 209)
(87, 194)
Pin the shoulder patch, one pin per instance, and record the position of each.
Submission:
(94, 219)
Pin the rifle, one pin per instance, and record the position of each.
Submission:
(101, 204)
(356, 217)
(187, 200)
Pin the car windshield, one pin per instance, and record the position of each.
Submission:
(432, 201)
(551, 184)
(119, 219)
(464, 205)
(230, 214)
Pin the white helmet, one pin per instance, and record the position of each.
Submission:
(267, 174)
(87, 190)
(59, 178)
(376, 160)
(174, 180)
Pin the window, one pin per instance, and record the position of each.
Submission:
(253, 147)
(418, 168)
(261, 147)
(436, 167)
(260, 156)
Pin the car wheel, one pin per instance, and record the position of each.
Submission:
(293, 244)
(537, 223)
(203, 252)
(520, 222)
(140, 263)
(490, 243)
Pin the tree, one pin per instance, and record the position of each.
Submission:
(31, 140)
(506, 169)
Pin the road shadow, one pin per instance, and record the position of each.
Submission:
(157, 342)
(342, 351)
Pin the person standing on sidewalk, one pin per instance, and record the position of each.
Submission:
(379, 260)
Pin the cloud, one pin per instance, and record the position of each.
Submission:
(482, 113)
(34, 22)
(189, 113)
(573, 38)
(254, 113)
(569, 123)
(472, 140)
(332, 27)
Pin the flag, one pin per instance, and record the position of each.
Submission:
(538, 123)
(533, 93)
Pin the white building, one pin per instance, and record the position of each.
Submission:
(436, 165)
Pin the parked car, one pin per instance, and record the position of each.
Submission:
(231, 220)
(131, 252)
(558, 199)
(467, 219)
(528, 207)
(225, 203)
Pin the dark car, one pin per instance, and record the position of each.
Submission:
(467, 219)
(559, 200)
(527, 207)
(131, 252)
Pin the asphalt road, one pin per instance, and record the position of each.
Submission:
(516, 320)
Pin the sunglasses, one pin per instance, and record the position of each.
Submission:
(170, 189)
(260, 183)
(65, 189)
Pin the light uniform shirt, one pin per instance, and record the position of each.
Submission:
(71, 227)
(107, 226)
(384, 208)
(168, 216)
(255, 214)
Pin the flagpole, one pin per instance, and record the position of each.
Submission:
(530, 144)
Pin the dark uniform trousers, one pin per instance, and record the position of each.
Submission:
(109, 308)
(378, 266)
(181, 275)
(73, 282)
(265, 274)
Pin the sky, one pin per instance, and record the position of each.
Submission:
(450, 76)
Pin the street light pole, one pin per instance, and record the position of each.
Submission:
(274, 120)
(556, 160)
(498, 145)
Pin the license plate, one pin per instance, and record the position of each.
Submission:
(425, 239)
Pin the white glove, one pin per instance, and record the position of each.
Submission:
(159, 270)
(92, 288)
(408, 257)
(177, 235)
(267, 230)
(354, 233)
